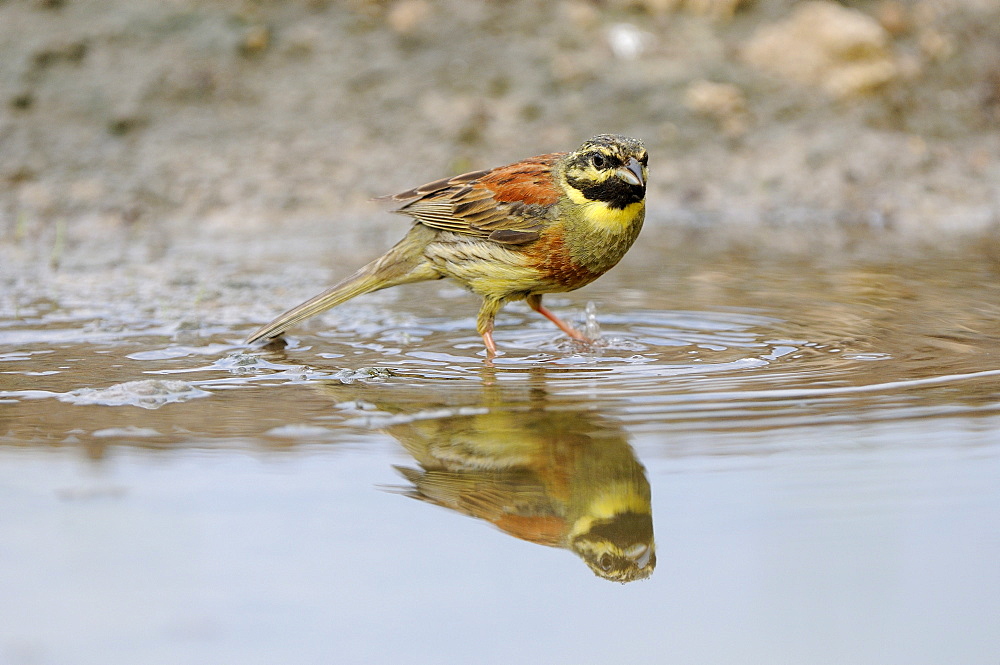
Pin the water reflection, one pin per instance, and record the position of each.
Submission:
(555, 477)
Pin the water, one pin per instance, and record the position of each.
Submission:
(757, 460)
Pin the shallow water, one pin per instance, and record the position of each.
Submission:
(787, 461)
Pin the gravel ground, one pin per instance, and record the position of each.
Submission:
(769, 122)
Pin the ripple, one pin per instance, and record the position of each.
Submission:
(148, 394)
(126, 432)
(675, 369)
(778, 354)
(180, 351)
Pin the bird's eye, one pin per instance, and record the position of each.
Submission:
(644, 160)
(598, 161)
(605, 562)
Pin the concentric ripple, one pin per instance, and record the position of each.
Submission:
(776, 352)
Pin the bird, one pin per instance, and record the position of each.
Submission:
(546, 224)
(527, 462)
(566, 479)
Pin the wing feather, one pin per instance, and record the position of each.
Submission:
(509, 204)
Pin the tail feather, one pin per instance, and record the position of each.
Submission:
(402, 264)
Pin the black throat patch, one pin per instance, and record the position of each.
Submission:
(614, 191)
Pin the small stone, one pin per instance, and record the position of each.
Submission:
(20, 174)
(723, 102)
(892, 15)
(22, 100)
(715, 9)
(125, 123)
(56, 52)
(627, 41)
(581, 15)
(935, 45)
(255, 40)
(406, 16)
(843, 51)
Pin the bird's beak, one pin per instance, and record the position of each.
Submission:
(640, 554)
(632, 173)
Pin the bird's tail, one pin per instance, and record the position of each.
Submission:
(402, 264)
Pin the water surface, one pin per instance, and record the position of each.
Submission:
(782, 461)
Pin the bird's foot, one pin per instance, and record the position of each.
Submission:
(565, 327)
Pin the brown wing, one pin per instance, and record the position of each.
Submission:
(514, 501)
(508, 204)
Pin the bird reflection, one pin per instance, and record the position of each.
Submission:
(556, 477)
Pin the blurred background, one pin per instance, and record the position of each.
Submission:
(793, 120)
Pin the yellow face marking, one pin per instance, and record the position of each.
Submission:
(599, 214)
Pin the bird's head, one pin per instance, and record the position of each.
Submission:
(608, 169)
(620, 549)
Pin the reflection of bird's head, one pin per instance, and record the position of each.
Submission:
(618, 548)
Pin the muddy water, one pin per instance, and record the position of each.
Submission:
(784, 460)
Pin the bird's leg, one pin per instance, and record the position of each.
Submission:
(484, 324)
(535, 303)
(491, 346)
